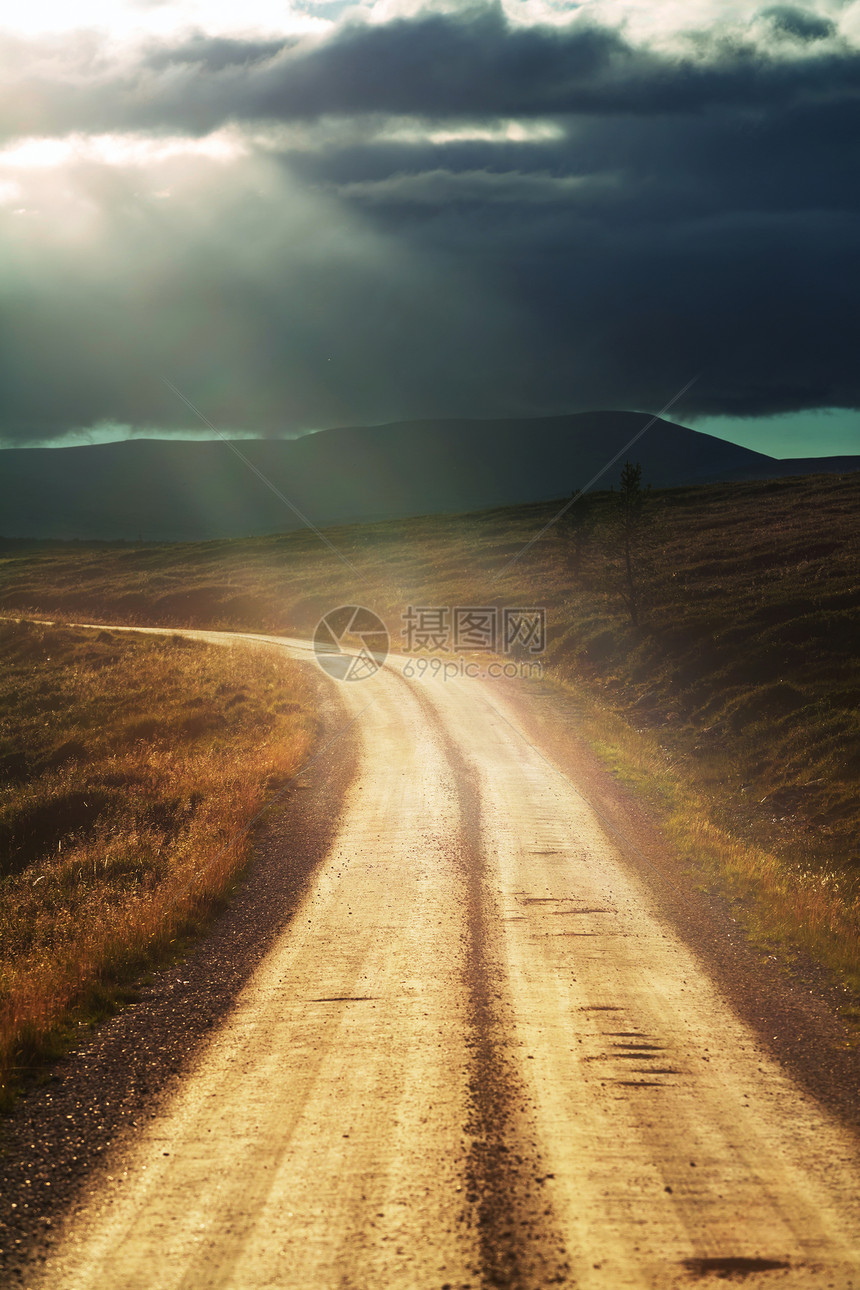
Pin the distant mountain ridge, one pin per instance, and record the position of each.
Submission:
(164, 490)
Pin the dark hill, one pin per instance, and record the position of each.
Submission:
(161, 489)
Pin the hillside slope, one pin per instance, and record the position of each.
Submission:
(164, 490)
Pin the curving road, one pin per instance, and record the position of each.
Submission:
(478, 1056)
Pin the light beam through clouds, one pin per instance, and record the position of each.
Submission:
(338, 214)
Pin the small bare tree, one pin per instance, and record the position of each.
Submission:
(629, 523)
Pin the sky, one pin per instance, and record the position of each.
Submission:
(333, 213)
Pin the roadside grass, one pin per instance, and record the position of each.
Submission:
(739, 690)
(785, 901)
(131, 769)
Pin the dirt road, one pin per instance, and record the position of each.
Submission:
(478, 1056)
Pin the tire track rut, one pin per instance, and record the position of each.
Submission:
(520, 1237)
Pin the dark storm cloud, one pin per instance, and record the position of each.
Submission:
(632, 168)
(437, 65)
(477, 64)
(393, 253)
(468, 65)
(272, 308)
(789, 21)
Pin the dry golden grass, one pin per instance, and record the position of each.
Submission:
(132, 769)
(786, 900)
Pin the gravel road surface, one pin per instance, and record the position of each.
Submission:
(479, 1053)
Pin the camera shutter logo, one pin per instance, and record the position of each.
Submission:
(351, 643)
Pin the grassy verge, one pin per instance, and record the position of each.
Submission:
(131, 768)
(785, 901)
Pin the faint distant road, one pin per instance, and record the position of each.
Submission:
(478, 1056)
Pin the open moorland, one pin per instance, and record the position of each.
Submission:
(718, 669)
(131, 769)
(701, 642)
